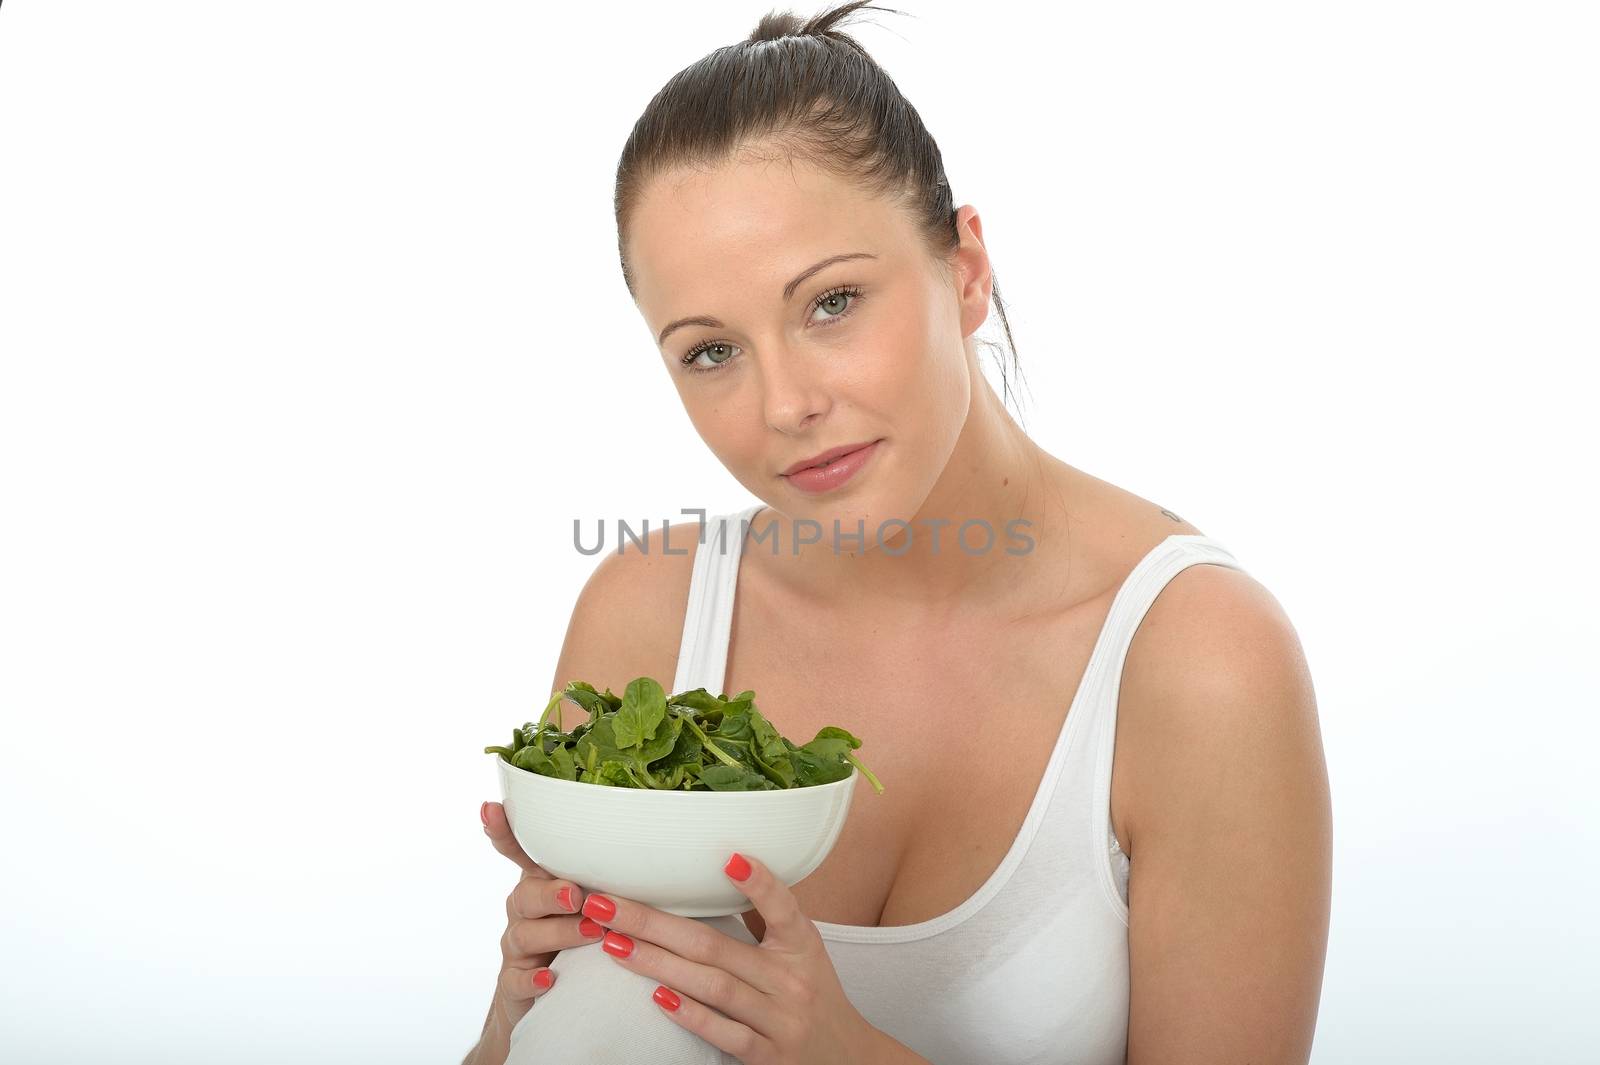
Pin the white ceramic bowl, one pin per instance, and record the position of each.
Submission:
(667, 848)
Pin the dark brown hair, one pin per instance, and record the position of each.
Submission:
(816, 95)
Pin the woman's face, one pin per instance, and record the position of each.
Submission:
(785, 362)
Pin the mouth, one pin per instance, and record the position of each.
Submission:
(831, 455)
(839, 469)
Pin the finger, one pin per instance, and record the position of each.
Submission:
(724, 1033)
(524, 984)
(498, 829)
(781, 914)
(689, 938)
(717, 988)
(541, 896)
(540, 936)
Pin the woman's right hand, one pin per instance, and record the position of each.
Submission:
(543, 915)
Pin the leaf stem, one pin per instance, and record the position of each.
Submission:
(688, 719)
(868, 773)
(553, 704)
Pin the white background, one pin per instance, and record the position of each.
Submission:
(315, 343)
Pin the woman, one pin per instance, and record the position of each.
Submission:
(1105, 833)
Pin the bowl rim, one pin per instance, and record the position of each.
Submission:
(591, 788)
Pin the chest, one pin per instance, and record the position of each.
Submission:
(958, 719)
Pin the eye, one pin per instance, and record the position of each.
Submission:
(838, 303)
(836, 298)
(710, 346)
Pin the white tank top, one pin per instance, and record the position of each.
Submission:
(1033, 967)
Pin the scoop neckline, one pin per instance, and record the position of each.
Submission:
(1002, 873)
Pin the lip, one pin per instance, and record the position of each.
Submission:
(825, 457)
(831, 475)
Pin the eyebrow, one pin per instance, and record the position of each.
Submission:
(788, 292)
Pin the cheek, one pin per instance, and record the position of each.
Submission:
(726, 424)
(898, 366)
(923, 371)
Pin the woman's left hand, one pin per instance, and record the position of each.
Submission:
(778, 1002)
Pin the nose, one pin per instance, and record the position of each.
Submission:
(793, 395)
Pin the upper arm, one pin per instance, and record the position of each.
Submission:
(1230, 883)
(628, 618)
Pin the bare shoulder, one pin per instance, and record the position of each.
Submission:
(1229, 812)
(1212, 623)
(628, 618)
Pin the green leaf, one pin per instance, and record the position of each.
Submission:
(531, 758)
(814, 766)
(585, 696)
(833, 732)
(729, 778)
(614, 774)
(736, 723)
(562, 764)
(644, 706)
(697, 699)
(741, 751)
(599, 745)
(768, 742)
(665, 742)
(686, 749)
(772, 757)
(711, 746)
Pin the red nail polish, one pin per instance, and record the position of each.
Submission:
(590, 928)
(667, 998)
(618, 944)
(483, 812)
(543, 978)
(564, 896)
(737, 867)
(599, 907)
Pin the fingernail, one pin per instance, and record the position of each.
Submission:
(599, 907)
(543, 978)
(564, 896)
(667, 998)
(737, 867)
(483, 812)
(618, 944)
(589, 928)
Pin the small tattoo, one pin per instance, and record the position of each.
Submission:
(1171, 515)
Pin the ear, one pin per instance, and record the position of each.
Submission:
(974, 276)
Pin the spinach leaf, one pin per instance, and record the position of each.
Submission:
(665, 742)
(644, 705)
(728, 778)
(615, 774)
(697, 699)
(585, 696)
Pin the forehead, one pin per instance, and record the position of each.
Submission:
(699, 237)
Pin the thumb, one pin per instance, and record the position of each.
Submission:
(498, 829)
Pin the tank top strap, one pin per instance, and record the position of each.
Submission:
(708, 618)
